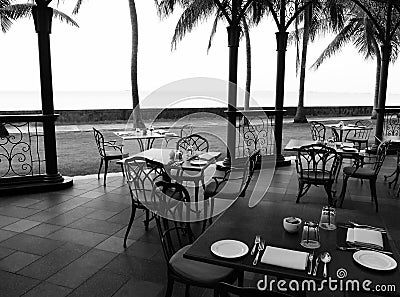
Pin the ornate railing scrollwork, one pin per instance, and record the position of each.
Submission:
(392, 122)
(255, 131)
(21, 146)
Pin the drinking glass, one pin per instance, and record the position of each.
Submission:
(310, 236)
(151, 128)
(328, 218)
(137, 131)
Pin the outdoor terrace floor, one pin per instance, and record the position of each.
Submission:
(69, 243)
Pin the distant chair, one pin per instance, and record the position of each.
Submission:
(316, 164)
(186, 130)
(318, 131)
(195, 141)
(108, 151)
(360, 137)
(365, 172)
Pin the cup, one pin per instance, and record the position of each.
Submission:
(310, 236)
(328, 218)
(292, 224)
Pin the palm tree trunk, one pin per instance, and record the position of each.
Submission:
(137, 117)
(377, 77)
(300, 116)
(248, 60)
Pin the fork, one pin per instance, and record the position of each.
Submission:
(310, 258)
(256, 242)
(345, 248)
(260, 248)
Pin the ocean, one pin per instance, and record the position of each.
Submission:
(83, 100)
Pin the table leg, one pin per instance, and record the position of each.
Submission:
(140, 142)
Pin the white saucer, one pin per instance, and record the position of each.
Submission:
(374, 260)
(229, 248)
(198, 162)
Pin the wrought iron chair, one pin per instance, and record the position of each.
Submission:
(176, 238)
(141, 180)
(316, 164)
(233, 182)
(107, 155)
(318, 131)
(197, 143)
(186, 130)
(365, 172)
(359, 137)
(228, 290)
(395, 174)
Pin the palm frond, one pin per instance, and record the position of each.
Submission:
(62, 17)
(78, 5)
(343, 37)
(5, 18)
(17, 11)
(218, 16)
(167, 7)
(197, 11)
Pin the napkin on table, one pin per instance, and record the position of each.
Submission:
(285, 258)
(364, 237)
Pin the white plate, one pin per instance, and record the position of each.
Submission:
(229, 248)
(198, 162)
(350, 149)
(374, 260)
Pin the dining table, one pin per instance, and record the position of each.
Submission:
(145, 138)
(241, 223)
(342, 148)
(341, 129)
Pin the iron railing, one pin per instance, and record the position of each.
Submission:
(22, 152)
(392, 122)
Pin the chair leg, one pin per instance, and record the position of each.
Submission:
(301, 187)
(343, 192)
(170, 286)
(133, 212)
(105, 170)
(372, 185)
(187, 291)
(101, 165)
(328, 190)
(147, 220)
(122, 169)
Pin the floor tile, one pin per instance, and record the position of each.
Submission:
(4, 252)
(102, 284)
(43, 216)
(97, 226)
(81, 269)
(21, 226)
(13, 285)
(78, 236)
(114, 244)
(17, 261)
(24, 202)
(46, 289)
(104, 204)
(17, 212)
(143, 249)
(101, 214)
(6, 234)
(4, 221)
(43, 229)
(31, 244)
(54, 261)
(138, 288)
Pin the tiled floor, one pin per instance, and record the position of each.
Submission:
(69, 243)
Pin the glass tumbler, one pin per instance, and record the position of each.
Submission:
(310, 236)
(328, 218)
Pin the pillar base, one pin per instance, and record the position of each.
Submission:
(281, 161)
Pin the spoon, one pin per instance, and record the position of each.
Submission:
(325, 258)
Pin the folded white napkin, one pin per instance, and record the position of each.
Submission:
(365, 237)
(285, 258)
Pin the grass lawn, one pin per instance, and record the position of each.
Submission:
(78, 155)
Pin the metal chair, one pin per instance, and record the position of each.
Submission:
(141, 180)
(316, 164)
(360, 136)
(365, 172)
(186, 130)
(176, 238)
(233, 182)
(227, 290)
(106, 155)
(396, 174)
(318, 131)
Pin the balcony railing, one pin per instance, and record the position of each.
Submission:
(392, 122)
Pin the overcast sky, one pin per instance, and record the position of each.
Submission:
(96, 56)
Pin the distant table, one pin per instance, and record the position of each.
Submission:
(347, 128)
(145, 141)
(242, 223)
(294, 145)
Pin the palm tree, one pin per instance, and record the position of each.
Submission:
(197, 10)
(318, 19)
(360, 30)
(138, 121)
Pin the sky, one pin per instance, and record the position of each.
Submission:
(96, 56)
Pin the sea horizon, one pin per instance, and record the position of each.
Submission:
(89, 100)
